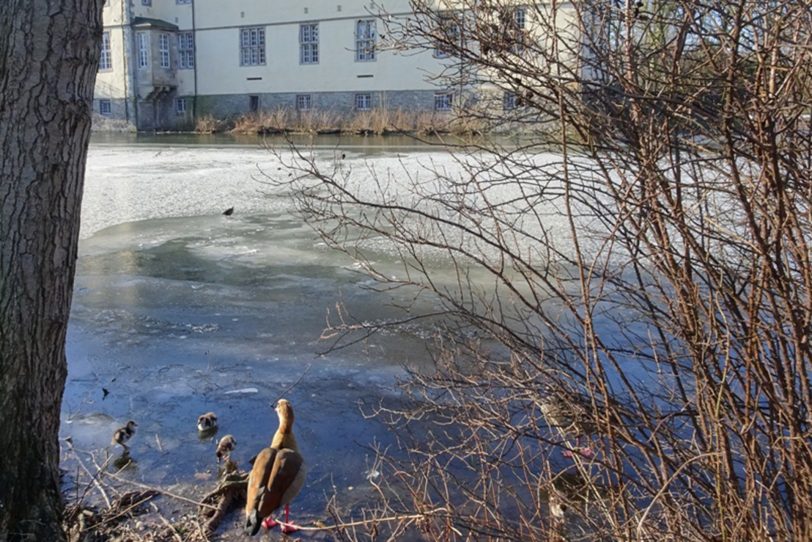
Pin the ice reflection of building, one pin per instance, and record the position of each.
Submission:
(165, 63)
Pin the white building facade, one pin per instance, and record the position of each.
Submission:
(165, 63)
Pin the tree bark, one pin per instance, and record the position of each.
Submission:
(49, 54)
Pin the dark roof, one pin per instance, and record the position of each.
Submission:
(157, 23)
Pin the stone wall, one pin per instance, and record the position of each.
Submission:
(229, 106)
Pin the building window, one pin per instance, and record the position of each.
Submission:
(186, 50)
(448, 38)
(143, 49)
(442, 102)
(519, 23)
(363, 102)
(509, 101)
(365, 34)
(105, 107)
(253, 103)
(303, 102)
(146, 2)
(180, 106)
(520, 17)
(163, 48)
(183, 1)
(106, 59)
(252, 46)
(309, 43)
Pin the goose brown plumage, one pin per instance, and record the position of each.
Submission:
(225, 447)
(276, 477)
(123, 434)
(569, 416)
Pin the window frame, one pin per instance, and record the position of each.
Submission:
(143, 43)
(366, 36)
(180, 105)
(106, 54)
(253, 42)
(447, 103)
(308, 48)
(164, 50)
(510, 101)
(451, 30)
(186, 50)
(519, 21)
(109, 107)
(363, 97)
(304, 102)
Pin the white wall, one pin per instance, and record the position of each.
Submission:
(219, 70)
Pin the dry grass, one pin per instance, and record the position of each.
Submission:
(374, 122)
(208, 125)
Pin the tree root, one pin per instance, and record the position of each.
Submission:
(229, 493)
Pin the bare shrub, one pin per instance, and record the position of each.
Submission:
(207, 124)
(648, 300)
(247, 124)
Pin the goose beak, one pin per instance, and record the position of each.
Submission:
(252, 524)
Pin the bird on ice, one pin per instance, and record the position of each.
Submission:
(225, 447)
(124, 434)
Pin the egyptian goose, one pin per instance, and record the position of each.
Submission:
(207, 422)
(225, 447)
(569, 415)
(276, 477)
(123, 434)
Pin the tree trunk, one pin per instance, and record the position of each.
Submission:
(49, 54)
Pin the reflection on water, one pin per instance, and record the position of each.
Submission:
(365, 145)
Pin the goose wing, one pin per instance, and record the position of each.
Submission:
(257, 482)
(283, 483)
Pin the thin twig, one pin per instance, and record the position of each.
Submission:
(93, 477)
(175, 534)
(124, 512)
(282, 395)
(358, 523)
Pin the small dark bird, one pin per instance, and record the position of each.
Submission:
(277, 476)
(225, 447)
(105, 393)
(343, 155)
(229, 211)
(207, 422)
(124, 434)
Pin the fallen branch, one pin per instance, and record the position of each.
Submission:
(93, 477)
(359, 523)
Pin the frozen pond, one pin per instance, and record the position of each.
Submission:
(179, 310)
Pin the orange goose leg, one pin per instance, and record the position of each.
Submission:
(288, 527)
